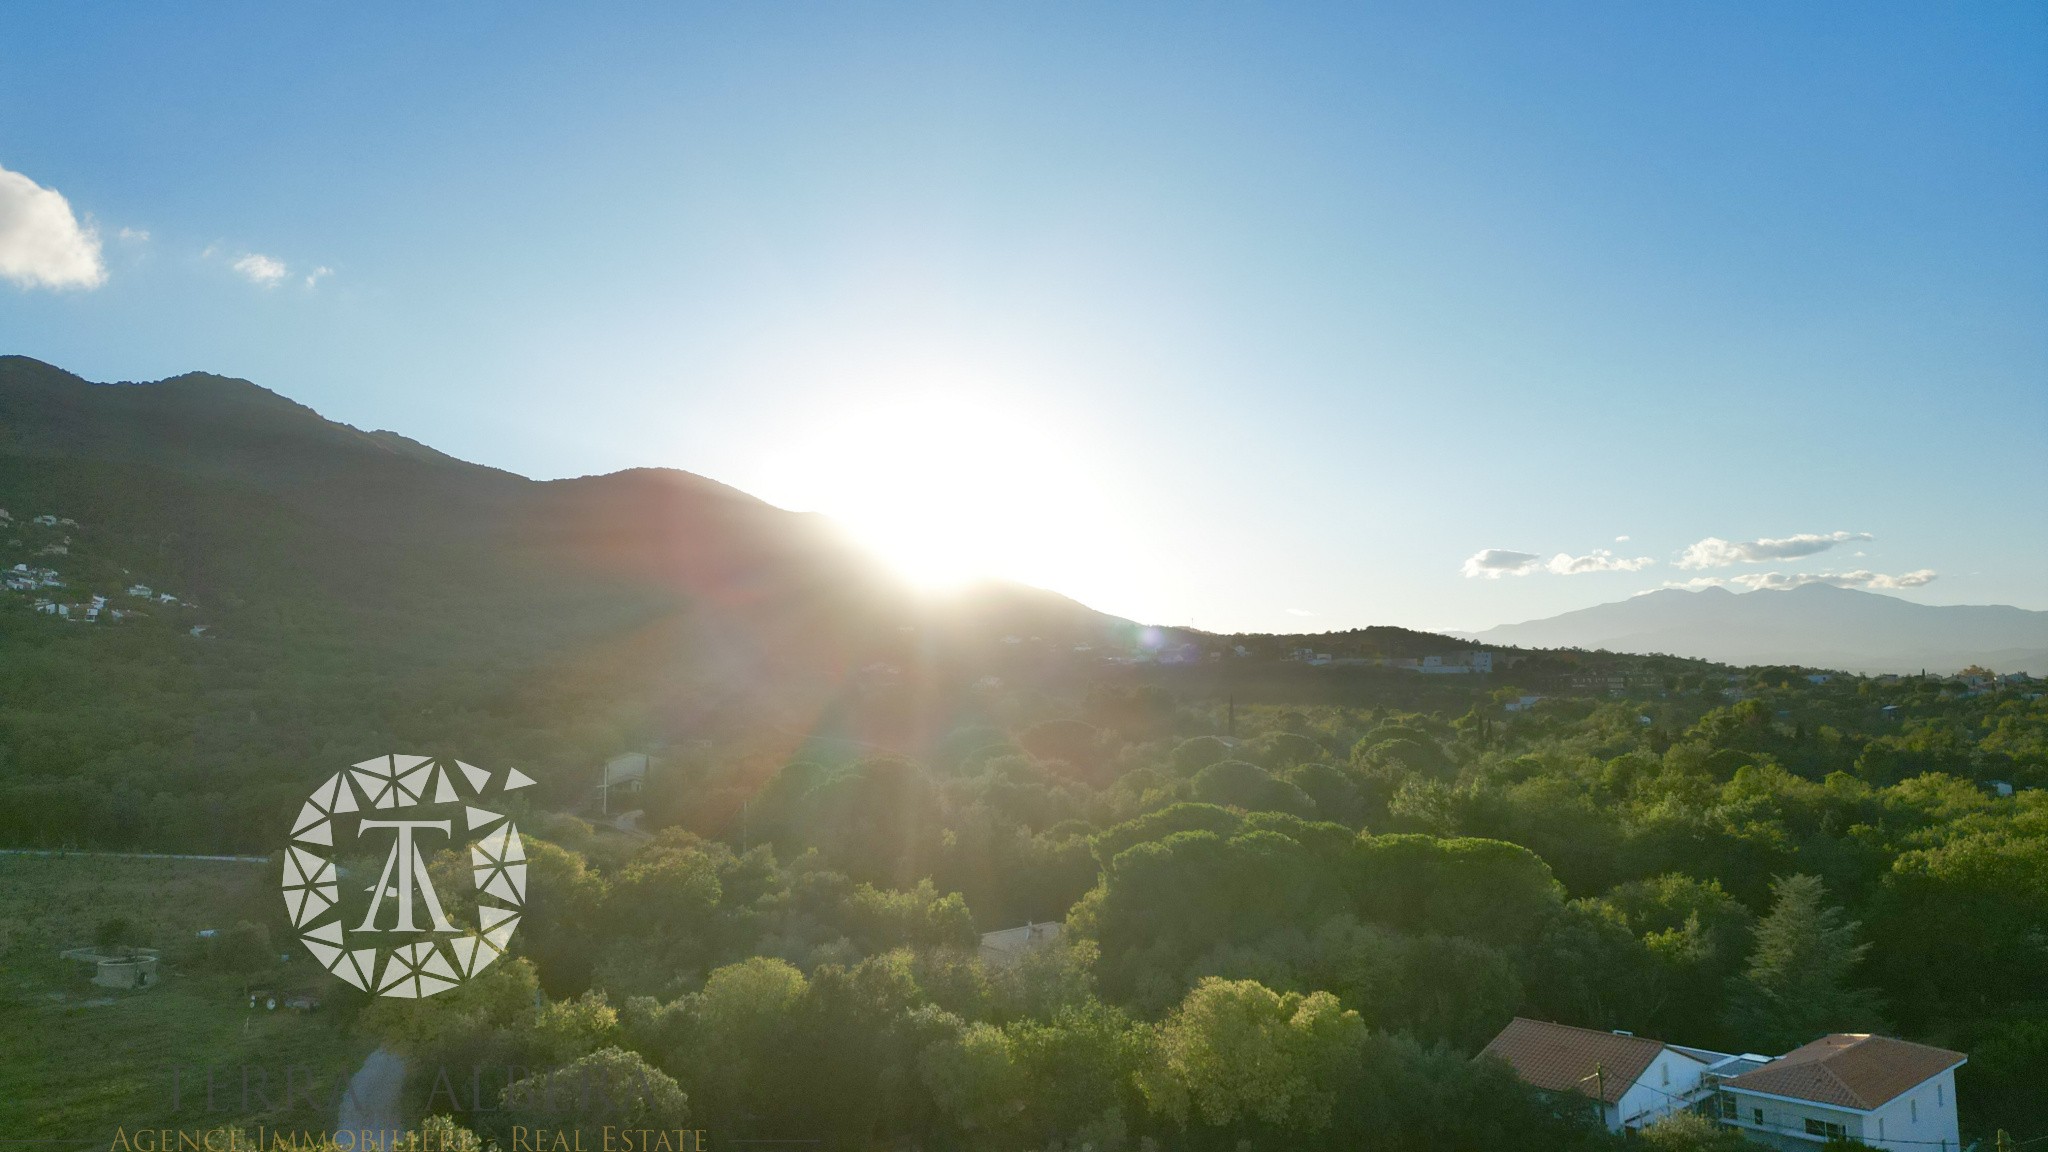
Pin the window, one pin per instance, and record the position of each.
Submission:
(1757, 1114)
(1726, 1100)
(1826, 1129)
(1937, 1096)
(1913, 1109)
(1880, 1127)
(1664, 1074)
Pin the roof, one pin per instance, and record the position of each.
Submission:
(1007, 939)
(1849, 1070)
(1561, 1058)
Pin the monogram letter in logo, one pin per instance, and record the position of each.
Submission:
(404, 943)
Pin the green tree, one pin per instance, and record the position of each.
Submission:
(1235, 1052)
(607, 1089)
(1692, 1132)
(244, 949)
(116, 933)
(1240, 784)
(1797, 984)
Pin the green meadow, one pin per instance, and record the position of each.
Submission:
(80, 1063)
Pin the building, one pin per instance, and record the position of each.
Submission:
(1005, 948)
(1632, 1080)
(1888, 1093)
(1477, 663)
(624, 775)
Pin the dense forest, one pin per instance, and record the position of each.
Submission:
(1295, 937)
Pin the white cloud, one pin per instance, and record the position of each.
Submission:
(42, 245)
(1621, 539)
(133, 235)
(1714, 552)
(1299, 612)
(318, 274)
(1598, 560)
(1779, 581)
(261, 269)
(1494, 563)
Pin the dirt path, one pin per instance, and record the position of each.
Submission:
(370, 1106)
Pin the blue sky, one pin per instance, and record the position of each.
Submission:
(1262, 317)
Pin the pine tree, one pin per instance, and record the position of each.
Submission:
(1796, 987)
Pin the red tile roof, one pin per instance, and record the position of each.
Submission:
(1561, 1058)
(1850, 1070)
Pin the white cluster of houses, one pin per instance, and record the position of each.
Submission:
(1887, 1093)
(1456, 664)
(25, 578)
(144, 591)
(22, 578)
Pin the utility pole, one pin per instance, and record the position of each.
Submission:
(1599, 1078)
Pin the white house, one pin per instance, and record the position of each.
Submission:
(624, 774)
(1633, 1080)
(1460, 664)
(1888, 1093)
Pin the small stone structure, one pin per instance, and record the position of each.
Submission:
(125, 968)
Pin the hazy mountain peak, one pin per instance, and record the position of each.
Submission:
(1816, 625)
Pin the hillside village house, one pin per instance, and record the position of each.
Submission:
(1888, 1093)
(1634, 1080)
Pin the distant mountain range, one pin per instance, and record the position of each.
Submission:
(1817, 625)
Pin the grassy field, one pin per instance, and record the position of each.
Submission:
(78, 1062)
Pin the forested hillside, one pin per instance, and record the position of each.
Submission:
(353, 589)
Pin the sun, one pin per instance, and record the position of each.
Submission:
(948, 487)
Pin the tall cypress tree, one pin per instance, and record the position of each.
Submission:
(1796, 987)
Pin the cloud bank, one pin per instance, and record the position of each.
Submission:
(1494, 563)
(42, 245)
(1779, 581)
(1714, 552)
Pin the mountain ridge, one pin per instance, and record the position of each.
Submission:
(1815, 625)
